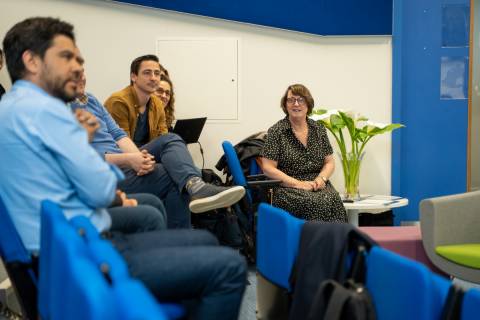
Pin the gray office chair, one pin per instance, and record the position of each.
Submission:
(451, 234)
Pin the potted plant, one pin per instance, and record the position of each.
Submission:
(360, 131)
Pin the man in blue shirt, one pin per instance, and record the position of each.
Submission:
(166, 178)
(46, 155)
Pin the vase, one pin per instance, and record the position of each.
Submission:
(351, 173)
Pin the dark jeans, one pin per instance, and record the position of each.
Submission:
(179, 265)
(171, 151)
(173, 169)
(148, 215)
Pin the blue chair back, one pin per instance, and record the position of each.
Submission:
(18, 263)
(89, 277)
(471, 304)
(278, 238)
(402, 288)
(66, 271)
(254, 168)
(234, 164)
(107, 259)
(49, 211)
(87, 295)
(85, 228)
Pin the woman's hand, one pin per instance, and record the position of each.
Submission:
(305, 185)
(319, 184)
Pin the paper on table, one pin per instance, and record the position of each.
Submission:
(376, 201)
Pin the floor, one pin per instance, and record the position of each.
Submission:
(249, 303)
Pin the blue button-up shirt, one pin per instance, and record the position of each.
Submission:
(106, 137)
(44, 154)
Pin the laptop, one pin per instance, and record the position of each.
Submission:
(189, 129)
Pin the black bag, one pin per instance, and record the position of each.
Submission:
(350, 301)
(223, 224)
(209, 176)
(376, 219)
(230, 225)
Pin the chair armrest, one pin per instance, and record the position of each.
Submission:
(255, 177)
(451, 219)
(263, 183)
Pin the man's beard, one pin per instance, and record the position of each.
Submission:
(57, 88)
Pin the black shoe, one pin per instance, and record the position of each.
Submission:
(211, 197)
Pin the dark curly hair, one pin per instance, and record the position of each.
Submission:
(170, 107)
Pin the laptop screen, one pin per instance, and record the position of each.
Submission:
(189, 129)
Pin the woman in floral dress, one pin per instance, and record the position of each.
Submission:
(298, 153)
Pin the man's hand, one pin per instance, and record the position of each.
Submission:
(88, 121)
(142, 162)
(125, 201)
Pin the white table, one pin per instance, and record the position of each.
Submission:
(372, 204)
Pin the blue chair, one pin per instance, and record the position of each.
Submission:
(19, 264)
(85, 292)
(402, 288)
(108, 260)
(66, 272)
(255, 180)
(89, 276)
(255, 186)
(139, 302)
(471, 304)
(278, 238)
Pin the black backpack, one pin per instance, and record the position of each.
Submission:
(223, 223)
(350, 301)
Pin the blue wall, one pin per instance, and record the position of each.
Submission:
(323, 17)
(429, 156)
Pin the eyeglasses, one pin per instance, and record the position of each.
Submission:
(301, 101)
(162, 91)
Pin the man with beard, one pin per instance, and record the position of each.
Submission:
(46, 155)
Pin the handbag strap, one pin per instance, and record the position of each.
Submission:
(339, 297)
(452, 308)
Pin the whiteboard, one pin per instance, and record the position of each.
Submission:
(204, 72)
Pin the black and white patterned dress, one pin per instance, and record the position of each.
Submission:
(303, 163)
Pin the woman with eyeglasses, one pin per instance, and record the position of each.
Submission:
(166, 94)
(298, 153)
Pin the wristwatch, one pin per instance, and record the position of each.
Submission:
(324, 179)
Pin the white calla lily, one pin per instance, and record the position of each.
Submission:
(360, 130)
(378, 125)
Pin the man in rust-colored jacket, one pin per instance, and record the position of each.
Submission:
(153, 160)
(135, 109)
